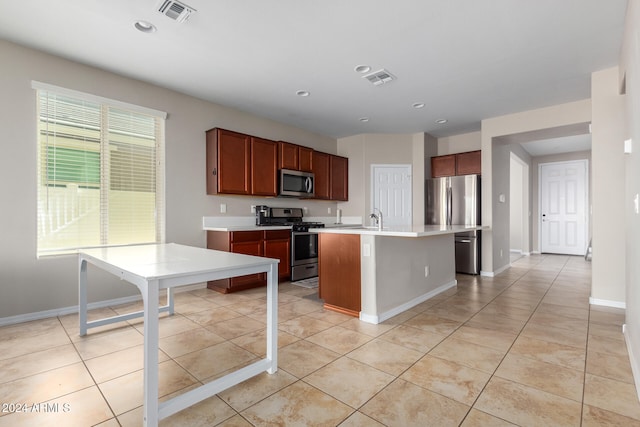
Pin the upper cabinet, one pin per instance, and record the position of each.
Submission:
(320, 166)
(456, 164)
(295, 157)
(264, 174)
(240, 164)
(245, 164)
(339, 167)
(468, 163)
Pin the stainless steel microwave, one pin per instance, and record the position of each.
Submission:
(296, 183)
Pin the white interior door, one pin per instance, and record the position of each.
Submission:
(391, 193)
(563, 207)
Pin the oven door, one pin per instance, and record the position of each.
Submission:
(304, 248)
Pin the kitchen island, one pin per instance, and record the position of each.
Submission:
(376, 274)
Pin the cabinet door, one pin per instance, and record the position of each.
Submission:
(277, 244)
(339, 272)
(339, 167)
(231, 167)
(320, 168)
(443, 166)
(264, 158)
(247, 248)
(304, 155)
(288, 156)
(468, 163)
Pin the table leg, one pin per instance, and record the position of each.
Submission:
(82, 290)
(150, 295)
(170, 300)
(272, 318)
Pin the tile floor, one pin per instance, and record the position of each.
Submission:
(523, 348)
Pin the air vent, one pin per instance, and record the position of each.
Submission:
(175, 10)
(379, 77)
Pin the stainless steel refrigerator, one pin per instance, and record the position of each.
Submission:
(455, 200)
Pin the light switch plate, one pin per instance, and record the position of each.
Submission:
(366, 249)
(628, 146)
(223, 208)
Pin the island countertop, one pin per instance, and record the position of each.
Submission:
(402, 231)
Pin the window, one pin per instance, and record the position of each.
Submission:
(100, 172)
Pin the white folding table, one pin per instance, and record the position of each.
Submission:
(165, 266)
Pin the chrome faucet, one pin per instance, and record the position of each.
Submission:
(377, 217)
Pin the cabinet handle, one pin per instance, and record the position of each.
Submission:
(214, 172)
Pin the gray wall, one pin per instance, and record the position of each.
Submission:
(30, 285)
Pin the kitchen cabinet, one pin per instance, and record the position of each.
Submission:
(456, 164)
(443, 166)
(288, 156)
(228, 162)
(304, 155)
(339, 167)
(267, 243)
(264, 173)
(240, 164)
(468, 163)
(277, 244)
(320, 166)
(339, 272)
(294, 157)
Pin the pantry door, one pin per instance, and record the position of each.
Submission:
(391, 193)
(563, 207)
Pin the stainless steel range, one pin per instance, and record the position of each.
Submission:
(304, 244)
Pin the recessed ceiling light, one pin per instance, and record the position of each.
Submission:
(441, 121)
(145, 27)
(303, 93)
(362, 69)
(418, 105)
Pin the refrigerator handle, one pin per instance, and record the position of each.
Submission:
(449, 205)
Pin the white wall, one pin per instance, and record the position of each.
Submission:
(630, 71)
(29, 285)
(367, 149)
(516, 200)
(495, 169)
(607, 172)
(471, 141)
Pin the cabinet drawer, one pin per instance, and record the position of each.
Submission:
(277, 234)
(246, 236)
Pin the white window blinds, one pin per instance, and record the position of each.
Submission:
(100, 174)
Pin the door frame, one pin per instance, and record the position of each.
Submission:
(525, 220)
(408, 167)
(587, 206)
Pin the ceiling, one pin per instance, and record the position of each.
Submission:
(466, 60)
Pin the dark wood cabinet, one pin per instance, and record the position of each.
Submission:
(228, 162)
(466, 163)
(443, 166)
(240, 164)
(271, 244)
(277, 244)
(264, 172)
(339, 272)
(339, 167)
(294, 157)
(304, 155)
(469, 163)
(320, 166)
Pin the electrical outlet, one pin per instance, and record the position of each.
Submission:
(426, 271)
(305, 210)
(366, 249)
(500, 253)
(329, 211)
(253, 209)
(223, 208)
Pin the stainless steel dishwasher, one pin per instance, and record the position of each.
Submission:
(467, 247)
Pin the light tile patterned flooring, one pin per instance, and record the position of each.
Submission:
(523, 348)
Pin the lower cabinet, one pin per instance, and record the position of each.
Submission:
(339, 272)
(271, 244)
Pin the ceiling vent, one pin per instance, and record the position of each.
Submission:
(380, 77)
(175, 10)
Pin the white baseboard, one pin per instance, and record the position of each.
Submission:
(375, 319)
(496, 272)
(607, 303)
(515, 251)
(63, 311)
(635, 363)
